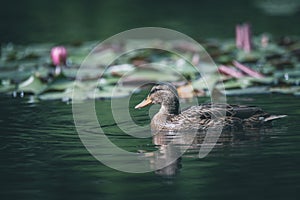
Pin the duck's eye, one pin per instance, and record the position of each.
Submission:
(154, 90)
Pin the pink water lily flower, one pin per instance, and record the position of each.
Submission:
(59, 58)
(59, 55)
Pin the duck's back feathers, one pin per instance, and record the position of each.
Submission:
(230, 117)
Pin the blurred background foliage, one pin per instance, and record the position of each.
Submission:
(34, 21)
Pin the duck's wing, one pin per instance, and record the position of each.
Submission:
(205, 111)
(244, 112)
(250, 116)
(202, 117)
(230, 117)
(238, 111)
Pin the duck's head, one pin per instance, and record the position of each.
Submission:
(164, 94)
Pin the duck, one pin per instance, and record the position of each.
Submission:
(201, 117)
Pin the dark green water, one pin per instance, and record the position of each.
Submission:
(57, 21)
(42, 157)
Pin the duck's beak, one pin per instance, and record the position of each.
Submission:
(144, 103)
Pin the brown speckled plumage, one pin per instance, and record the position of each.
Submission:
(225, 116)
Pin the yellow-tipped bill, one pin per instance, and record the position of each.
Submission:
(144, 103)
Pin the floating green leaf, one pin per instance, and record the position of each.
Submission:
(32, 85)
(6, 86)
(110, 92)
(280, 65)
(249, 90)
(149, 75)
(286, 90)
(59, 83)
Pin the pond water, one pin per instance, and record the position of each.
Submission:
(72, 21)
(42, 157)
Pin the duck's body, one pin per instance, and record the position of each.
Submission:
(200, 118)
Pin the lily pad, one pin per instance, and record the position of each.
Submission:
(119, 70)
(109, 92)
(139, 76)
(100, 58)
(66, 95)
(32, 85)
(15, 75)
(278, 63)
(262, 80)
(297, 93)
(54, 96)
(244, 91)
(7, 86)
(286, 90)
(224, 59)
(248, 57)
(208, 83)
(59, 83)
(236, 83)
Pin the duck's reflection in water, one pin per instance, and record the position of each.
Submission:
(171, 146)
(168, 155)
(167, 159)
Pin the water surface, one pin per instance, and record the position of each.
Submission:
(42, 157)
(57, 21)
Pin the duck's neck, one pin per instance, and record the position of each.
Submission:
(167, 110)
(170, 107)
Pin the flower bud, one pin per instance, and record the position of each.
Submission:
(59, 55)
